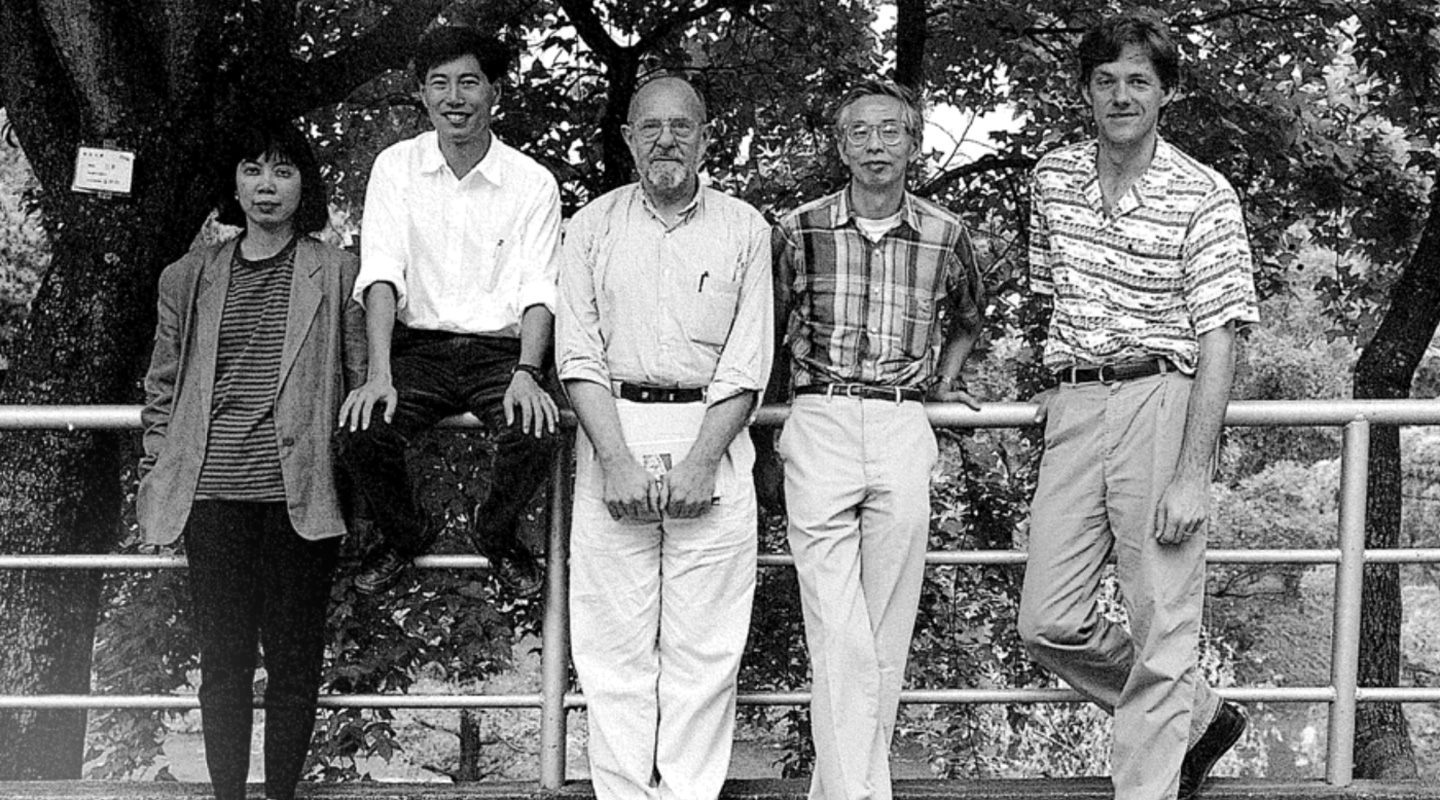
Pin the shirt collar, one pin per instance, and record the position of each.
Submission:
(842, 214)
(1153, 185)
(490, 167)
(695, 206)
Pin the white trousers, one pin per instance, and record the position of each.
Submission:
(857, 488)
(659, 614)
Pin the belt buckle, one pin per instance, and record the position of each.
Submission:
(1102, 374)
(854, 390)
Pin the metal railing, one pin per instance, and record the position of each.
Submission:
(1349, 556)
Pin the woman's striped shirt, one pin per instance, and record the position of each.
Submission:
(242, 459)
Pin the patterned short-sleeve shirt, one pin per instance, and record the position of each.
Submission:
(875, 312)
(1169, 262)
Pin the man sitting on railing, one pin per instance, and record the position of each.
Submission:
(664, 342)
(457, 275)
(1143, 251)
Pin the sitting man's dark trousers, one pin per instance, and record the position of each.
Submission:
(439, 374)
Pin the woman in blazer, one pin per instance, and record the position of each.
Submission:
(256, 344)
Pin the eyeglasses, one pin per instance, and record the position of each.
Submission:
(680, 127)
(859, 133)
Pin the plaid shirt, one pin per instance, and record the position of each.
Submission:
(1170, 262)
(872, 312)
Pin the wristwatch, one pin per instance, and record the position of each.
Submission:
(533, 371)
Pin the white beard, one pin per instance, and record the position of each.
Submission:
(667, 177)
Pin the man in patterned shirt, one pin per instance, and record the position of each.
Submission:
(1143, 253)
(871, 281)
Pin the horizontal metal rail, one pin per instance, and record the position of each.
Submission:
(554, 700)
(573, 700)
(965, 558)
(1241, 413)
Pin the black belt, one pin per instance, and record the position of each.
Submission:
(1111, 373)
(636, 393)
(863, 390)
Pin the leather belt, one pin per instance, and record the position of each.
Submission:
(865, 391)
(1111, 373)
(636, 393)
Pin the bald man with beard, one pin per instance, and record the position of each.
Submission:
(664, 338)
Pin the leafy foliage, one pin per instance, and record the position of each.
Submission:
(24, 251)
(1320, 113)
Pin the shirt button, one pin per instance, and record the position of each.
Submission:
(288, 441)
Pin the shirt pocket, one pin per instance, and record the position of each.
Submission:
(917, 323)
(710, 311)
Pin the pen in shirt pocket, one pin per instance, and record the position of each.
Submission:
(495, 265)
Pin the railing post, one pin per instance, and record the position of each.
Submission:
(1349, 578)
(555, 648)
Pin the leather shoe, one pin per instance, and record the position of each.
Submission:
(1221, 735)
(381, 570)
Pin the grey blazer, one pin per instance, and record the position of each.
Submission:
(323, 358)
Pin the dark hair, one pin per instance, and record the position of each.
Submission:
(277, 142)
(914, 118)
(443, 44)
(1105, 41)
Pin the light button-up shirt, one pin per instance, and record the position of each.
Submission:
(465, 255)
(687, 305)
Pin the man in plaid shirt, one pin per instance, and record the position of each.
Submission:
(880, 299)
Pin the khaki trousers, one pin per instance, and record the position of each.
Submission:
(1110, 451)
(659, 614)
(857, 487)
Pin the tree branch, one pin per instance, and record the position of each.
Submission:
(669, 25)
(592, 30)
(387, 45)
(80, 35)
(188, 31)
(42, 112)
(981, 165)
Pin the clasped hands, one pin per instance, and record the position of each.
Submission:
(633, 492)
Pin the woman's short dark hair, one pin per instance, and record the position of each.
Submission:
(277, 142)
(443, 44)
(1105, 41)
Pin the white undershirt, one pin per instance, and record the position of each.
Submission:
(873, 229)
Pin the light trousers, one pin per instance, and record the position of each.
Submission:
(659, 614)
(1110, 452)
(857, 488)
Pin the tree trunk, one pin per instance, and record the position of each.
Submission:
(88, 330)
(472, 748)
(1385, 370)
(166, 83)
(911, 26)
(85, 341)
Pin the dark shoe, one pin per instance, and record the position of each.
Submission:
(380, 571)
(521, 573)
(1222, 734)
